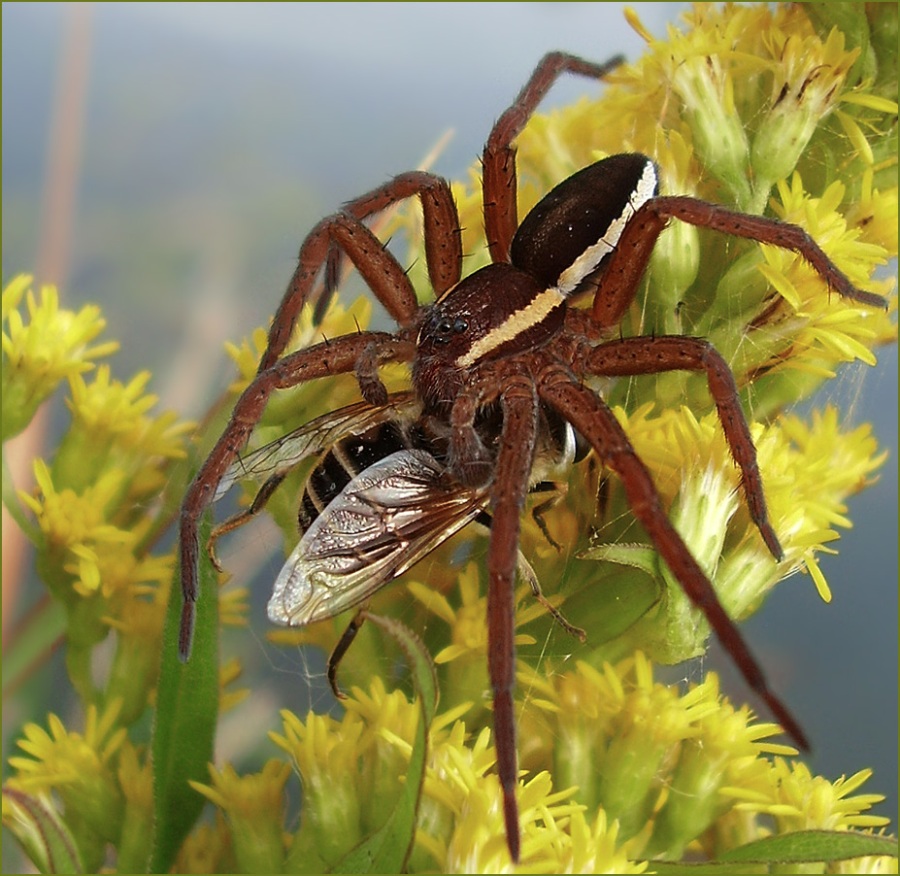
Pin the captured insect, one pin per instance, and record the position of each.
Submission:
(377, 501)
(501, 362)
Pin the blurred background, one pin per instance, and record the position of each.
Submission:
(165, 161)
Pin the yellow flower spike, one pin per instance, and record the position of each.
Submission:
(807, 78)
(37, 356)
(808, 470)
(797, 800)
(111, 430)
(724, 750)
(78, 540)
(135, 776)
(79, 768)
(381, 763)
(207, 849)
(328, 755)
(594, 848)
(254, 808)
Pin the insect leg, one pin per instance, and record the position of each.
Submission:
(527, 573)
(343, 645)
(242, 517)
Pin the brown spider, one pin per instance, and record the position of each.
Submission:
(499, 363)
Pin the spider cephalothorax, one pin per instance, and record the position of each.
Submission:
(501, 365)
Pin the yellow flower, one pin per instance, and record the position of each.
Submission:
(135, 776)
(207, 849)
(641, 752)
(80, 768)
(463, 662)
(110, 429)
(37, 355)
(326, 754)
(808, 471)
(75, 525)
(807, 78)
(254, 808)
(797, 800)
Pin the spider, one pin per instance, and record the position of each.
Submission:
(501, 358)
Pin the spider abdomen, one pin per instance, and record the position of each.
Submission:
(576, 225)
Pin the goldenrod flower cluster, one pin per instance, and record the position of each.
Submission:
(765, 108)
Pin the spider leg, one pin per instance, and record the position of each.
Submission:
(671, 353)
(596, 422)
(440, 220)
(378, 268)
(323, 360)
(499, 157)
(626, 264)
(510, 487)
(529, 576)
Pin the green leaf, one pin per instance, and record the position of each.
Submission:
(805, 846)
(812, 845)
(42, 833)
(615, 599)
(186, 714)
(682, 868)
(387, 850)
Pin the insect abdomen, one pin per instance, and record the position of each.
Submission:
(344, 461)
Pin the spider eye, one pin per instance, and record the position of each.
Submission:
(446, 327)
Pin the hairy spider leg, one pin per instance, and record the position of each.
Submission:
(499, 187)
(440, 221)
(510, 487)
(626, 265)
(344, 233)
(640, 355)
(596, 422)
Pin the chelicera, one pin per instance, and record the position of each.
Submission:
(500, 360)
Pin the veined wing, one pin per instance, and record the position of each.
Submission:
(387, 518)
(280, 456)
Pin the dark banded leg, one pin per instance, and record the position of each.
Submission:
(627, 264)
(631, 356)
(514, 461)
(499, 157)
(341, 648)
(596, 422)
(237, 520)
